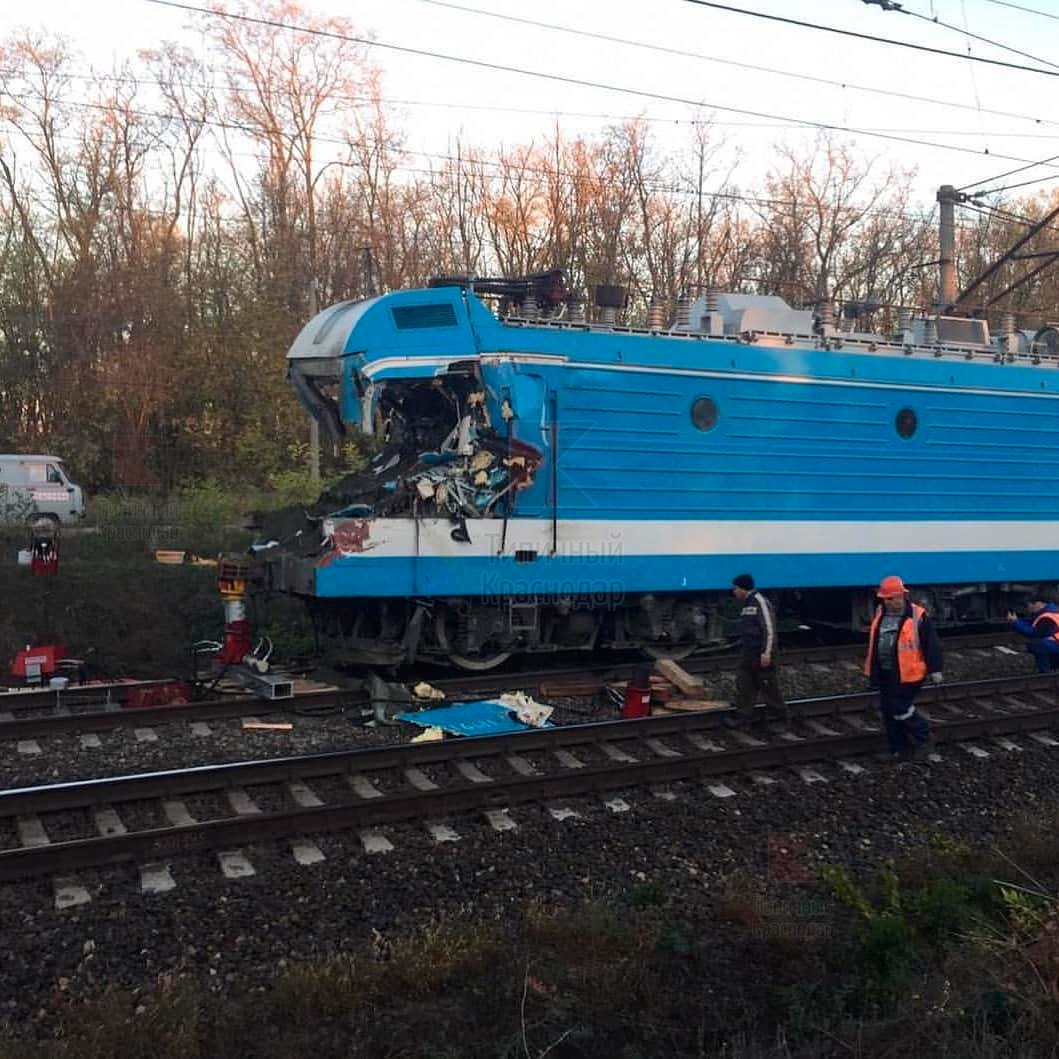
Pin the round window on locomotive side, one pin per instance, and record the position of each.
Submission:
(906, 423)
(704, 413)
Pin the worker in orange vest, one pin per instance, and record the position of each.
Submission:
(903, 651)
(1041, 628)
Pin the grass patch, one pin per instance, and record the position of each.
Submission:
(113, 603)
(950, 950)
(611, 979)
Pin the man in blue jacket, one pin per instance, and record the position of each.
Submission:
(758, 673)
(1041, 628)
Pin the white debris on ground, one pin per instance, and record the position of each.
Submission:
(526, 709)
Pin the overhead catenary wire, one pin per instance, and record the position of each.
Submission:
(1013, 187)
(720, 194)
(436, 156)
(704, 57)
(667, 50)
(1026, 10)
(582, 82)
(935, 21)
(1012, 172)
(801, 24)
(95, 77)
(989, 212)
(989, 180)
(472, 161)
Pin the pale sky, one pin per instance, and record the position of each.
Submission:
(442, 100)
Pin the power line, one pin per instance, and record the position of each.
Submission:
(845, 85)
(860, 36)
(1011, 172)
(1012, 187)
(989, 211)
(1027, 10)
(656, 188)
(701, 56)
(669, 189)
(934, 20)
(96, 78)
(583, 83)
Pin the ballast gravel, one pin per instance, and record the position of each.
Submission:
(695, 851)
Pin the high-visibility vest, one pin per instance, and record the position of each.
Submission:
(911, 665)
(1054, 619)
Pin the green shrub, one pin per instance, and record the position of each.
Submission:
(941, 907)
(286, 488)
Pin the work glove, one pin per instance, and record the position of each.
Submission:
(936, 678)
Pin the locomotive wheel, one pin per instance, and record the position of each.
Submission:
(476, 663)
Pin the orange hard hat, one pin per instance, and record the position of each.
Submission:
(891, 587)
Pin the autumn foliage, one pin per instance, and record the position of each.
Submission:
(168, 226)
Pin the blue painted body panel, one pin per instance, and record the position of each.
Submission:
(500, 579)
(803, 434)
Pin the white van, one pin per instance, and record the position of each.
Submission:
(32, 486)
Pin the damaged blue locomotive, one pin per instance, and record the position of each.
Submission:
(543, 483)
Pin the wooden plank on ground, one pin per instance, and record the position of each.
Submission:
(304, 686)
(568, 689)
(658, 682)
(691, 686)
(697, 704)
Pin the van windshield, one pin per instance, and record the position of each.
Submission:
(41, 473)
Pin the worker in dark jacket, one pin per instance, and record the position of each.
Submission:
(1041, 628)
(758, 674)
(903, 650)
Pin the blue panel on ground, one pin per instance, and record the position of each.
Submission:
(486, 717)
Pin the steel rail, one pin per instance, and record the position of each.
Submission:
(235, 705)
(34, 697)
(143, 716)
(697, 665)
(202, 778)
(460, 797)
(691, 762)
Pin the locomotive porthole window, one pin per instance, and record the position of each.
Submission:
(906, 422)
(704, 413)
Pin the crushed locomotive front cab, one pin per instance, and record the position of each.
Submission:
(460, 441)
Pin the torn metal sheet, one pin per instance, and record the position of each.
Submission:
(485, 717)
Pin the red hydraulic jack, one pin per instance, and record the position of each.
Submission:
(232, 578)
(237, 656)
(638, 695)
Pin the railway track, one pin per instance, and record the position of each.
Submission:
(698, 665)
(61, 828)
(46, 712)
(60, 719)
